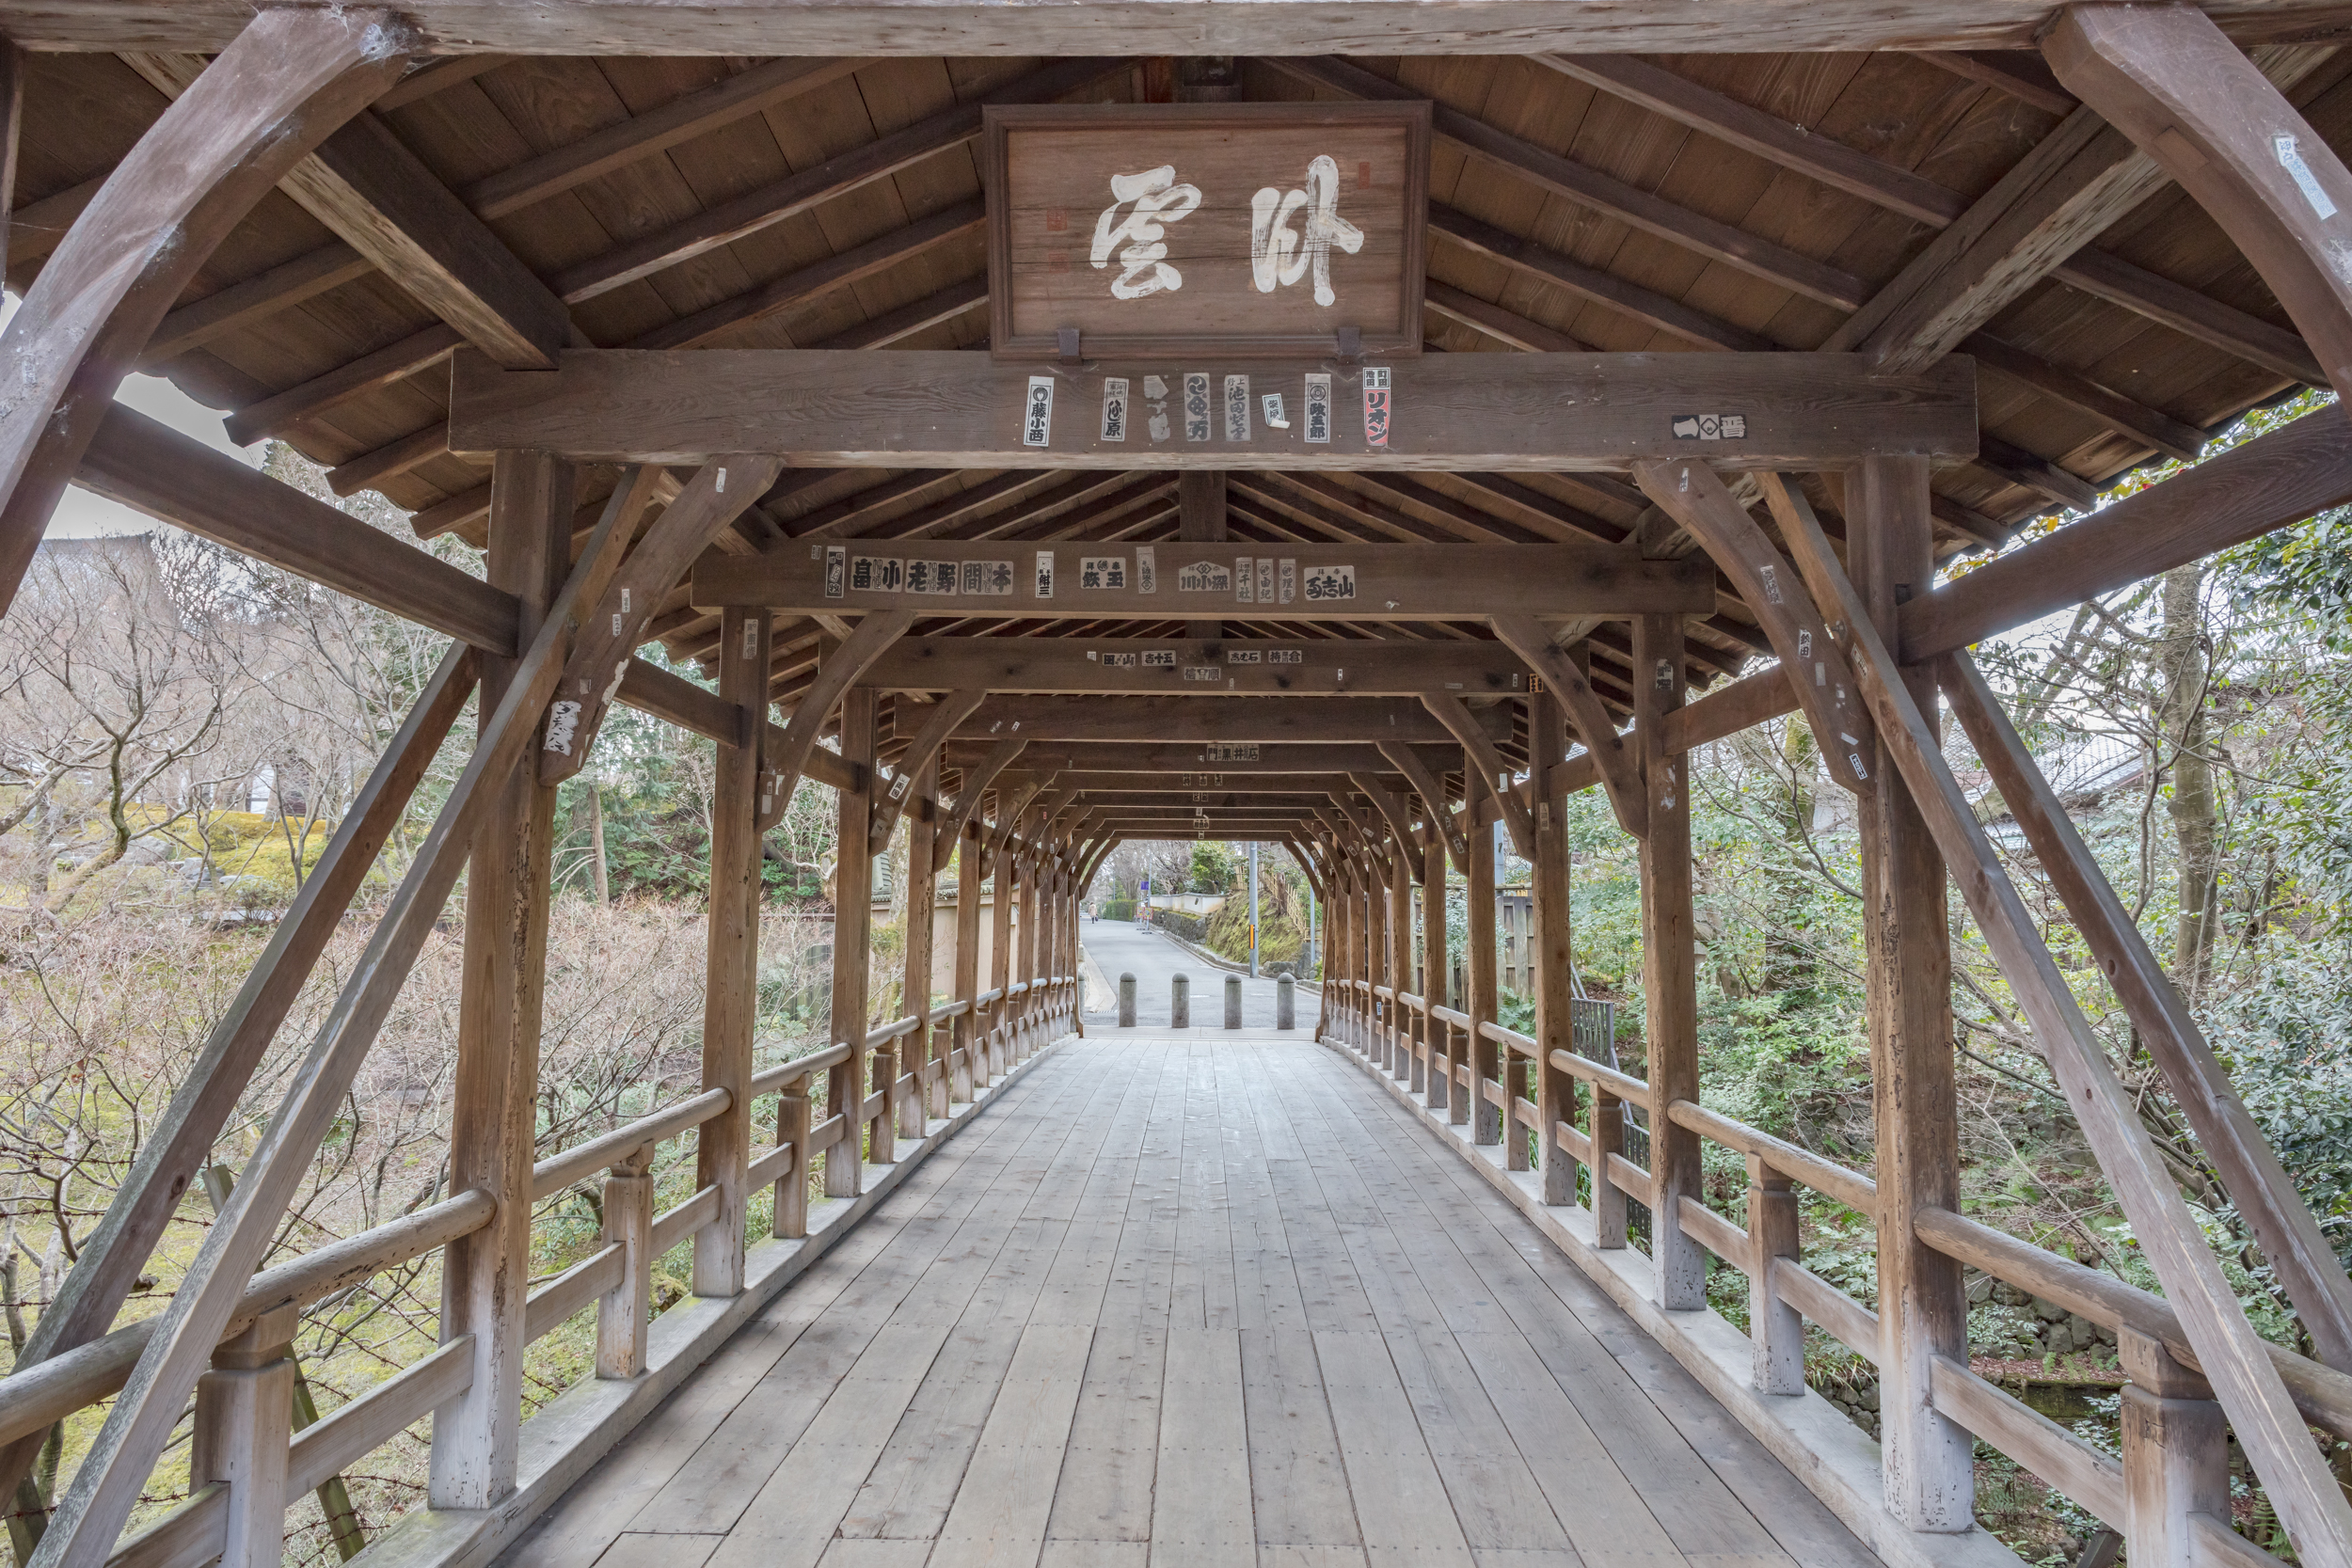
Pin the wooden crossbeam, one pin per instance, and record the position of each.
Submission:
(781, 765)
(918, 27)
(1349, 582)
(1230, 719)
(977, 777)
(1180, 763)
(921, 752)
(943, 408)
(1611, 755)
(1494, 774)
(1197, 667)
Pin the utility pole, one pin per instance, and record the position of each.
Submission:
(1253, 909)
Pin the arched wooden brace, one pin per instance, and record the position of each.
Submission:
(1444, 831)
(608, 636)
(921, 753)
(291, 77)
(976, 782)
(1391, 806)
(2165, 77)
(1525, 636)
(1479, 755)
(835, 673)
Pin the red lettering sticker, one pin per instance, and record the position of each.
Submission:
(1375, 406)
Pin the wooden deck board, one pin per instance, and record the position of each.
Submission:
(1208, 1301)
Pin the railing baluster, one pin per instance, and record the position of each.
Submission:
(1777, 1332)
(244, 1425)
(622, 1312)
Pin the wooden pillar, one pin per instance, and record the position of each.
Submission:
(1400, 958)
(1775, 1329)
(1486, 1056)
(731, 983)
(914, 989)
(1549, 962)
(1436, 1038)
(623, 1312)
(485, 1276)
(1923, 1311)
(1373, 900)
(2176, 1455)
(999, 964)
(852, 935)
(964, 1039)
(1670, 981)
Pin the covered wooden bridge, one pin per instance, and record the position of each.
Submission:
(1405, 415)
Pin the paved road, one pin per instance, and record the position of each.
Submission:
(1118, 947)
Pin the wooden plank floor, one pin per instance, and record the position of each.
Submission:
(1177, 1302)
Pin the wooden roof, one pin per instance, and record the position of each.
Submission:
(1691, 203)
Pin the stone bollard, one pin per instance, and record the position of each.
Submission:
(1285, 1003)
(1233, 1001)
(1179, 1002)
(1126, 1001)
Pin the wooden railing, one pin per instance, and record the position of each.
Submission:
(247, 1399)
(1399, 1034)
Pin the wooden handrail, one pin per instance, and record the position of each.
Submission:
(1852, 1188)
(940, 1014)
(557, 1172)
(38, 1396)
(1387, 993)
(889, 1032)
(2322, 1394)
(769, 1080)
(1447, 1015)
(1624, 1085)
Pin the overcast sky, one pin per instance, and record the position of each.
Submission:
(83, 516)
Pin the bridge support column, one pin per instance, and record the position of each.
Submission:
(1671, 980)
(1485, 1057)
(487, 1275)
(965, 1041)
(915, 988)
(1437, 1040)
(731, 971)
(852, 933)
(1399, 958)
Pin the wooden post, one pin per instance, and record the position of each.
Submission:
(1607, 1137)
(1487, 1058)
(1670, 981)
(1400, 959)
(1774, 1326)
(792, 1127)
(624, 1313)
(1372, 899)
(1551, 962)
(965, 1037)
(1923, 1312)
(1032, 872)
(722, 1147)
(487, 1275)
(852, 934)
(915, 990)
(2177, 1454)
(244, 1422)
(1438, 1036)
(999, 965)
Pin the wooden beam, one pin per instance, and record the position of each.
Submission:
(2192, 103)
(2269, 482)
(2019, 73)
(1334, 581)
(286, 83)
(152, 468)
(950, 409)
(1504, 327)
(978, 776)
(2074, 183)
(1252, 719)
(1196, 668)
(1182, 763)
(918, 28)
(724, 222)
(608, 635)
(1444, 828)
(1696, 497)
(1589, 187)
(378, 198)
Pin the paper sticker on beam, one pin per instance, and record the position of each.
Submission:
(1207, 582)
(1326, 667)
(947, 409)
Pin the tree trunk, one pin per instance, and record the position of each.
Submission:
(2181, 725)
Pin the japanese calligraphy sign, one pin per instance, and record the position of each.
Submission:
(1239, 228)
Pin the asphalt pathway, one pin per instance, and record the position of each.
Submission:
(1118, 946)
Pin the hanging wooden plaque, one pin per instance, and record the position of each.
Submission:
(1236, 228)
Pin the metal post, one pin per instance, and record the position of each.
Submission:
(1253, 916)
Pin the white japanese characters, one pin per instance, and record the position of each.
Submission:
(1280, 255)
(1152, 201)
